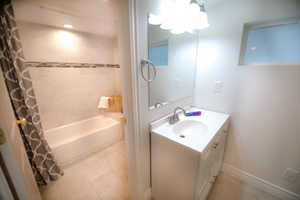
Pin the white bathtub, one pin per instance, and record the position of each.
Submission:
(77, 140)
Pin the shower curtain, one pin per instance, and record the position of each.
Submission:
(19, 85)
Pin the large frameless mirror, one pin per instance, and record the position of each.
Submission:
(174, 57)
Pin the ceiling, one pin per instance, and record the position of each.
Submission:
(93, 16)
(212, 3)
(97, 16)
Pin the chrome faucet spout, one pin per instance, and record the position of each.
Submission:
(175, 117)
(179, 108)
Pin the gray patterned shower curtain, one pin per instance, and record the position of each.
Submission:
(19, 85)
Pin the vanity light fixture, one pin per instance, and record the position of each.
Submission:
(68, 26)
(180, 16)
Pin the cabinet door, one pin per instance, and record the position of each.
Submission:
(205, 191)
(211, 164)
(208, 162)
(219, 147)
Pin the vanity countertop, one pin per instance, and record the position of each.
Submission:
(194, 132)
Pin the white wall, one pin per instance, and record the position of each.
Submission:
(262, 100)
(66, 95)
(50, 44)
(116, 60)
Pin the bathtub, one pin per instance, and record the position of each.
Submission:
(77, 140)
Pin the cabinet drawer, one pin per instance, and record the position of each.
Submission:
(218, 156)
(216, 140)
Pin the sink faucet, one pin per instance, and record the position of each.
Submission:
(175, 118)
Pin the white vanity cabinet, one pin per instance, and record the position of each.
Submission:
(185, 168)
(211, 162)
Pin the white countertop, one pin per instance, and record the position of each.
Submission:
(212, 122)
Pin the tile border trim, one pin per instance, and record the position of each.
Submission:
(260, 183)
(69, 65)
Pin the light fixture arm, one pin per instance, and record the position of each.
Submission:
(202, 8)
(201, 4)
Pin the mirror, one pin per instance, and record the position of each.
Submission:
(175, 59)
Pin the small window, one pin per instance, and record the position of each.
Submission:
(271, 43)
(158, 54)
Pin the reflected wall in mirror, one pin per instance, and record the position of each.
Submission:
(175, 59)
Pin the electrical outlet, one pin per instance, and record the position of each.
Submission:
(178, 83)
(218, 87)
(290, 175)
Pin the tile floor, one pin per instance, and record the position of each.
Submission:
(101, 176)
(230, 188)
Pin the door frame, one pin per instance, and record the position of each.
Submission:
(13, 151)
(135, 91)
(130, 89)
(7, 181)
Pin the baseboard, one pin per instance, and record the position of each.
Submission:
(264, 185)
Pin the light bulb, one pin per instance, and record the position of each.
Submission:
(180, 16)
(155, 19)
(69, 26)
(177, 31)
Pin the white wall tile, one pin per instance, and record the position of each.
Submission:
(65, 95)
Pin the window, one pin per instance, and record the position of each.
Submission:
(272, 43)
(158, 54)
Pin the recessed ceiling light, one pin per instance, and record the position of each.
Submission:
(68, 26)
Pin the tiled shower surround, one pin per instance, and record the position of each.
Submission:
(70, 70)
(69, 92)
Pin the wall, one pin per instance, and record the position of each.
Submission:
(117, 60)
(66, 95)
(262, 100)
(49, 44)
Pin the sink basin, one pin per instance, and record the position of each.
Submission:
(194, 132)
(188, 128)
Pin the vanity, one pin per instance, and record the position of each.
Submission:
(187, 156)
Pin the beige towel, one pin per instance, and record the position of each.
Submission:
(115, 104)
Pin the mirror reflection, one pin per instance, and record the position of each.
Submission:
(174, 56)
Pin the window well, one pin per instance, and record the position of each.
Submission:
(277, 43)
